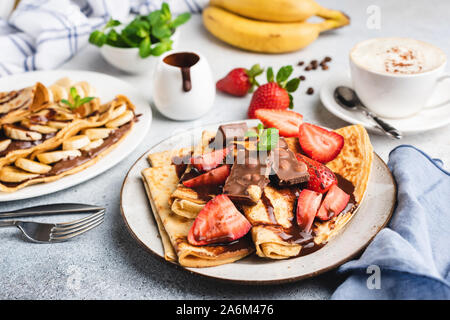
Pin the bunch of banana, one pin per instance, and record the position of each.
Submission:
(272, 26)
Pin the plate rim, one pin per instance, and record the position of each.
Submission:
(367, 124)
(249, 282)
(68, 72)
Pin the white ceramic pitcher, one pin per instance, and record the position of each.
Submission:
(183, 87)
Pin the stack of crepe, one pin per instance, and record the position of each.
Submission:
(175, 207)
(43, 139)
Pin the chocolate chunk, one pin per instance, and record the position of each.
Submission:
(228, 133)
(288, 170)
(248, 177)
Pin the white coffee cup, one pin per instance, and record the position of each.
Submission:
(183, 86)
(395, 77)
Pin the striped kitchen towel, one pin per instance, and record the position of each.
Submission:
(43, 34)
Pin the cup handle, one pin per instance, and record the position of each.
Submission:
(442, 103)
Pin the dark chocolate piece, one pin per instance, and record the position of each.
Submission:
(229, 133)
(248, 177)
(288, 170)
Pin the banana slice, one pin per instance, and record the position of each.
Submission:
(62, 113)
(64, 82)
(11, 174)
(57, 124)
(89, 91)
(55, 156)
(126, 117)
(59, 92)
(36, 127)
(4, 144)
(96, 133)
(118, 111)
(76, 142)
(16, 133)
(94, 144)
(32, 166)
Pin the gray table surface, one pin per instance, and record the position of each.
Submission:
(108, 263)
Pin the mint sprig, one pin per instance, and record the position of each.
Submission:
(77, 100)
(150, 33)
(267, 138)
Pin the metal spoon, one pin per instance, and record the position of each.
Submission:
(347, 98)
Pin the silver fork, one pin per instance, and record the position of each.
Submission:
(56, 232)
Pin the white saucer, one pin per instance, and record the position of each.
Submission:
(427, 119)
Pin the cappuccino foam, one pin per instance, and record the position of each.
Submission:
(397, 56)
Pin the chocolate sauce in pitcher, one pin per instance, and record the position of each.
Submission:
(184, 61)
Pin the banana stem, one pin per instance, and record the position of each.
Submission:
(333, 19)
(332, 24)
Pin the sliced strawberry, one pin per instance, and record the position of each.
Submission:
(287, 122)
(218, 222)
(210, 160)
(318, 143)
(213, 177)
(307, 205)
(335, 201)
(321, 178)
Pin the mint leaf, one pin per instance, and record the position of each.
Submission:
(86, 100)
(161, 47)
(269, 139)
(181, 19)
(154, 17)
(111, 23)
(161, 31)
(67, 102)
(145, 48)
(97, 38)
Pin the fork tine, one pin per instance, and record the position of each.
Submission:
(79, 221)
(74, 228)
(74, 234)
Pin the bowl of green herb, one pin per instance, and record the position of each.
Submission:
(134, 47)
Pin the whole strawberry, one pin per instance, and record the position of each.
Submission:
(274, 94)
(239, 81)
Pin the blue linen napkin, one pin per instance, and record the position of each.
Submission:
(413, 252)
(43, 34)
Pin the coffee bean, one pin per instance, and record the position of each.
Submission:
(314, 63)
(327, 59)
(308, 68)
(301, 63)
(310, 91)
(303, 78)
(324, 67)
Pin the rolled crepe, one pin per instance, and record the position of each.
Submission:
(187, 202)
(13, 178)
(274, 216)
(174, 229)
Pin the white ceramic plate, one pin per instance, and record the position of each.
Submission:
(425, 120)
(372, 215)
(107, 88)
